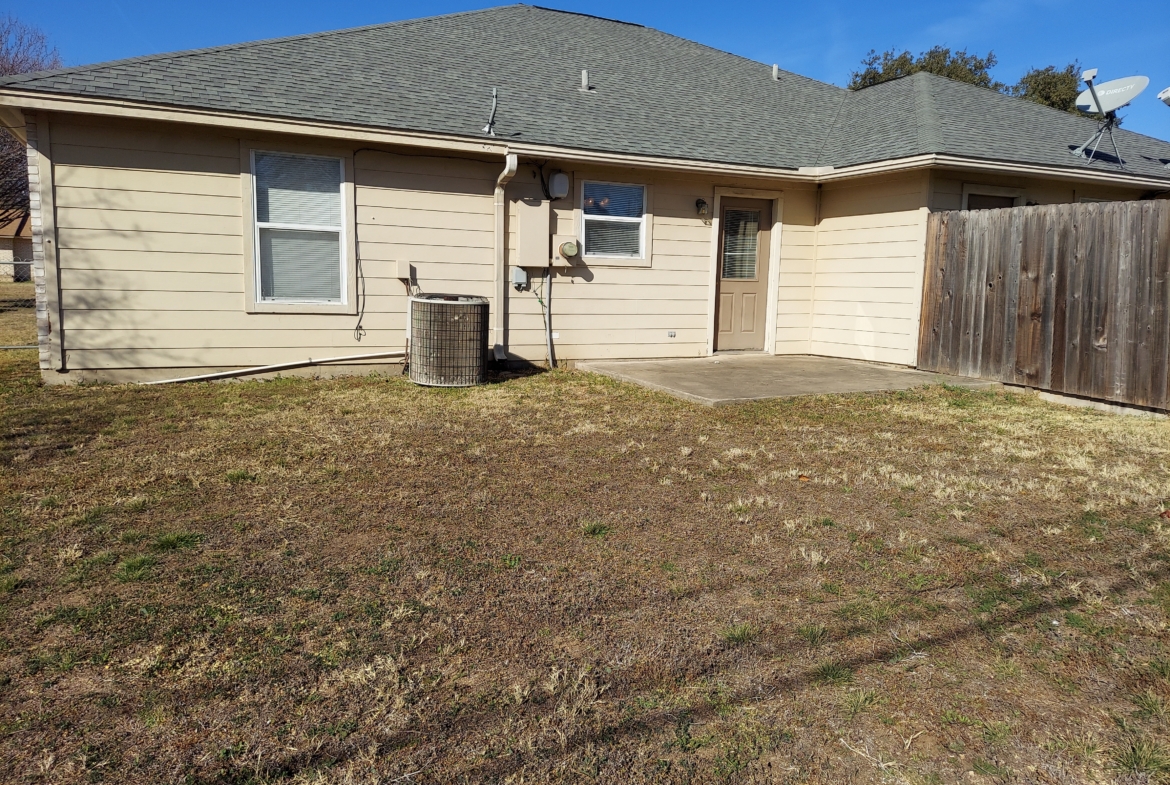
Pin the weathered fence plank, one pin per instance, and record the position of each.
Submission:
(1068, 298)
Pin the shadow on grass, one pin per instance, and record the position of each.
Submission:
(664, 720)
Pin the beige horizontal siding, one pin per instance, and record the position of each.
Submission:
(152, 235)
(868, 271)
(149, 201)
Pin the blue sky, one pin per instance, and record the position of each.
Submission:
(824, 40)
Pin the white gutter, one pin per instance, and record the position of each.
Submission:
(207, 377)
(499, 339)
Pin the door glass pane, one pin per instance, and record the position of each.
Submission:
(740, 237)
(297, 265)
(296, 189)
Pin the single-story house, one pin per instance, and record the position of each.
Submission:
(260, 203)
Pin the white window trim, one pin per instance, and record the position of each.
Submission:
(1017, 194)
(347, 305)
(644, 221)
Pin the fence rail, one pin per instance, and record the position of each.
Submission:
(1072, 298)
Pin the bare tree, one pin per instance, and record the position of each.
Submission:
(23, 48)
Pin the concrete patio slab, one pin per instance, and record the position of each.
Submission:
(735, 378)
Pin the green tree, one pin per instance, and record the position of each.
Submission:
(1051, 86)
(958, 65)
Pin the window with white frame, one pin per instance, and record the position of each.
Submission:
(615, 220)
(300, 227)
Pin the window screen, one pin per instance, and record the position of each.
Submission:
(298, 227)
(740, 243)
(614, 219)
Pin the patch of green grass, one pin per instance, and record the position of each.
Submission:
(132, 537)
(737, 634)
(1093, 524)
(311, 595)
(955, 717)
(989, 769)
(669, 568)
(135, 568)
(813, 634)
(1141, 755)
(832, 588)
(173, 541)
(1034, 560)
(857, 701)
(832, 673)
(10, 583)
(595, 529)
(967, 543)
(237, 476)
(995, 732)
(1149, 704)
(511, 561)
(93, 515)
(50, 502)
(1161, 669)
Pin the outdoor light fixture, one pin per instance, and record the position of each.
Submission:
(701, 206)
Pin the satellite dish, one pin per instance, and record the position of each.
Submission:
(1164, 96)
(1112, 95)
(1105, 99)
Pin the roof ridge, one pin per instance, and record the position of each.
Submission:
(33, 75)
(926, 125)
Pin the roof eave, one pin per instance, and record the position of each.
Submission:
(108, 107)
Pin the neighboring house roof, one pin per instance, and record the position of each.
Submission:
(655, 94)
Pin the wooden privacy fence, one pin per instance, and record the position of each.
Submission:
(1072, 298)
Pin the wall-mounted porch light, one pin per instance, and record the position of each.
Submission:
(701, 206)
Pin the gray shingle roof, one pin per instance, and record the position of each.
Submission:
(655, 94)
(925, 113)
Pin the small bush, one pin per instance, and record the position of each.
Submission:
(173, 541)
(136, 568)
(832, 673)
(740, 633)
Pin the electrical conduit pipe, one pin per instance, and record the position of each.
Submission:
(500, 350)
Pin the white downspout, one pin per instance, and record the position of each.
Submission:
(500, 349)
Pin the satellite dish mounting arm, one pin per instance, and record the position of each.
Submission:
(1106, 125)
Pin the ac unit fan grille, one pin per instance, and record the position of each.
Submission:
(448, 340)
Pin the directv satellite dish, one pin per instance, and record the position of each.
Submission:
(1111, 96)
(1164, 96)
(1105, 99)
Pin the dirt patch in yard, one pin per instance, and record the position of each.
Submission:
(561, 578)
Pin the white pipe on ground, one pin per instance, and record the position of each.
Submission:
(207, 377)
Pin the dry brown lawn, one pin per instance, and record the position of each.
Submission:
(562, 579)
(17, 319)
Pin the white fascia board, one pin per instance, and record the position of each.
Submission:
(54, 102)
